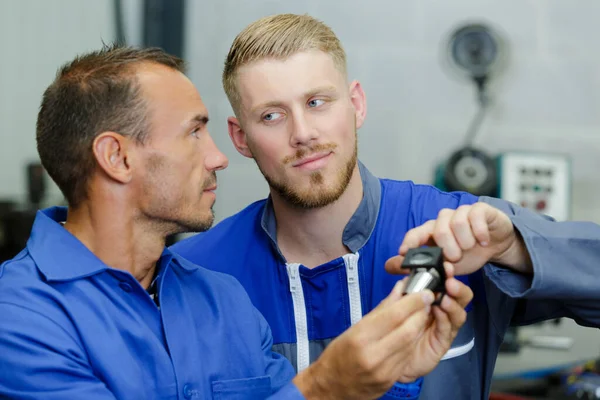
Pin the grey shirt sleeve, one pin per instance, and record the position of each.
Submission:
(565, 257)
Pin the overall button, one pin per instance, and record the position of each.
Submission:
(125, 286)
(187, 391)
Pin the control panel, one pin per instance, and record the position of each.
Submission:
(537, 181)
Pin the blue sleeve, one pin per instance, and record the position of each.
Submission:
(287, 392)
(40, 359)
(427, 202)
(277, 366)
(565, 258)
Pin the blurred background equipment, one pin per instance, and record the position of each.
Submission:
(474, 52)
(530, 358)
(164, 25)
(551, 361)
(469, 170)
(535, 180)
(16, 219)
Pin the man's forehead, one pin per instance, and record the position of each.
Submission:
(301, 74)
(160, 79)
(165, 83)
(171, 96)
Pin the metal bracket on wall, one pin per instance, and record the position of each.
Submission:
(164, 25)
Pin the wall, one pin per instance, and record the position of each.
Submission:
(36, 37)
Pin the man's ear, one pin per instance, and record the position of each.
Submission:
(112, 155)
(238, 137)
(359, 101)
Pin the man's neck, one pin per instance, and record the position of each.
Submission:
(314, 236)
(118, 238)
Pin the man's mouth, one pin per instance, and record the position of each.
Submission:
(311, 159)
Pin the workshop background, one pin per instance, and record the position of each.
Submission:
(531, 136)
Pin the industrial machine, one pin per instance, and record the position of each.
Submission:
(537, 181)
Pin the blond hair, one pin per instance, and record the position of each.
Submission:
(278, 37)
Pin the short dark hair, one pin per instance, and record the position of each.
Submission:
(96, 92)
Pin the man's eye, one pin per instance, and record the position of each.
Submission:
(272, 116)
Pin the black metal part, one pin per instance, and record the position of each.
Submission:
(427, 270)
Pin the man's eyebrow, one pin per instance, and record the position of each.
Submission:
(266, 105)
(201, 119)
(320, 89)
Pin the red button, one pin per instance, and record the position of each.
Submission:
(541, 205)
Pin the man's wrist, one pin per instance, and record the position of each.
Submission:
(312, 383)
(516, 256)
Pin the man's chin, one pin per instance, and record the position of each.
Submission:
(196, 225)
(311, 197)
